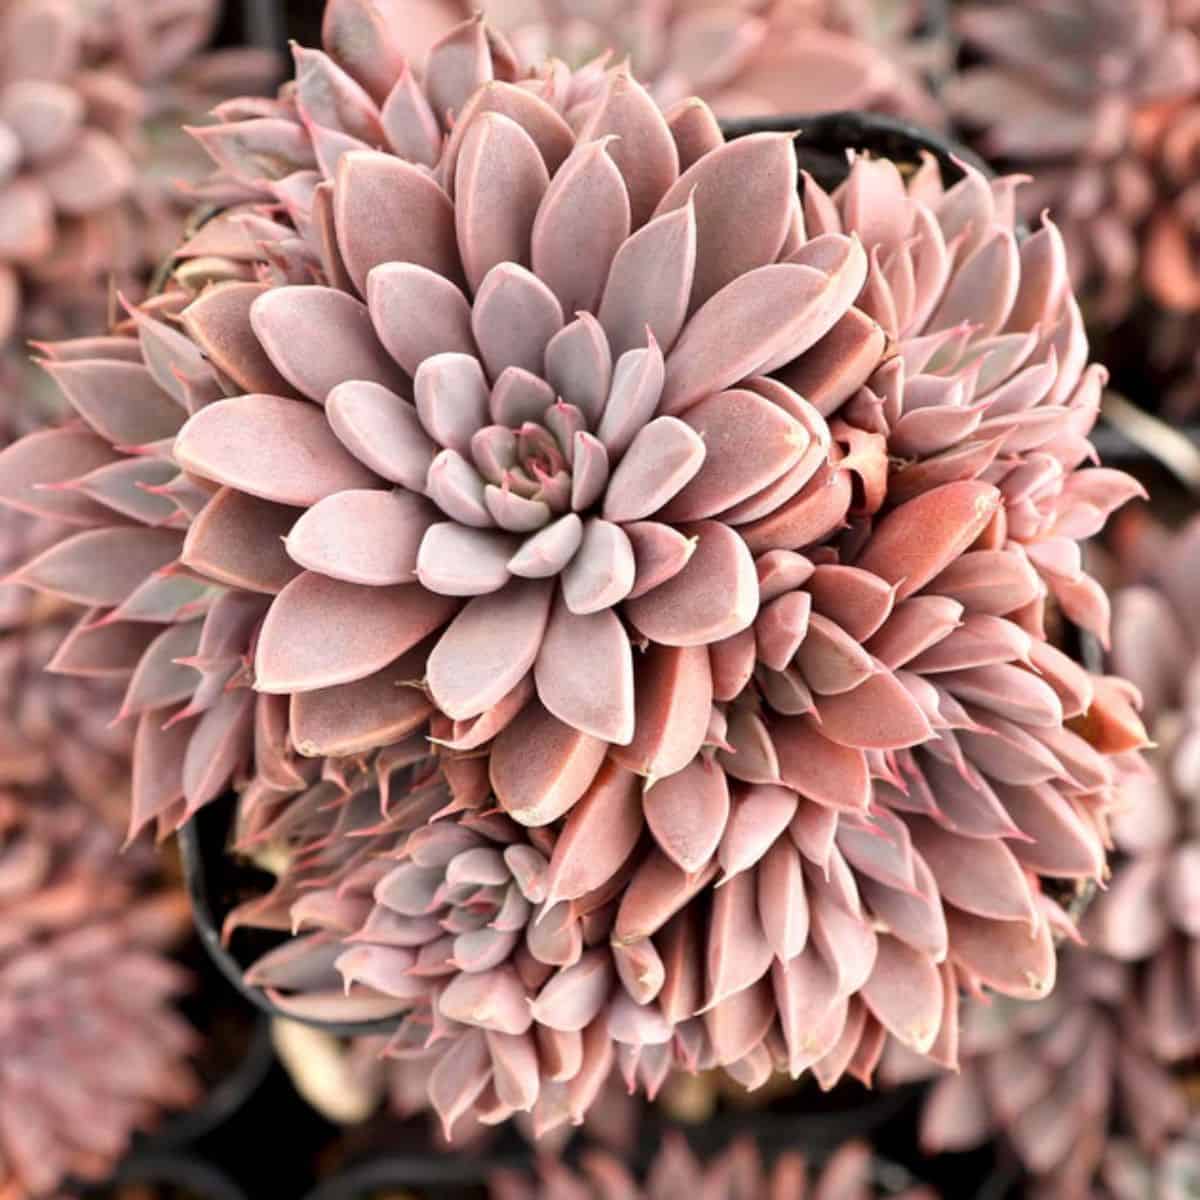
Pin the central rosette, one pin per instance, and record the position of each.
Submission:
(547, 408)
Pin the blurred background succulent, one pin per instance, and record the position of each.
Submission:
(813, 454)
(739, 1171)
(744, 57)
(91, 97)
(91, 1047)
(1098, 101)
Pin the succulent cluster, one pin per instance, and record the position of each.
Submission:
(736, 1173)
(714, 527)
(1101, 101)
(1109, 1053)
(91, 1047)
(80, 85)
(744, 57)
(1055, 1079)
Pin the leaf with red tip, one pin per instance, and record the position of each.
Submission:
(119, 400)
(714, 597)
(659, 554)
(829, 773)
(238, 540)
(99, 568)
(540, 767)
(917, 541)
(273, 448)
(388, 210)
(320, 632)
(54, 456)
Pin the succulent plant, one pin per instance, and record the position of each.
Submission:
(91, 1047)
(738, 1172)
(1098, 99)
(1128, 1173)
(1109, 1053)
(82, 198)
(1149, 912)
(1056, 1079)
(708, 522)
(744, 57)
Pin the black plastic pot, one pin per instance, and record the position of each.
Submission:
(822, 140)
(227, 1094)
(188, 1178)
(259, 23)
(216, 882)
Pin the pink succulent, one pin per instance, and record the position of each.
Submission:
(1098, 99)
(849, 1174)
(709, 524)
(91, 1049)
(744, 57)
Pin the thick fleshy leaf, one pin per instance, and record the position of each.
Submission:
(714, 597)
(456, 560)
(540, 767)
(738, 951)
(356, 717)
(362, 536)
(488, 648)
(601, 572)
(748, 444)
(918, 540)
(119, 400)
(286, 321)
(382, 430)
(218, 321)
(362, 629)
(99, 568)
(755, 173)
(54, 456)
(418, 313)
(238, 540)
(745, 327)
(818, 768)
(584, 673)
(879, 714)
(1004, 954)
(650, 282)
(389, 211)
(500, 180)
(514, 317)
(905, 994)
(581, 223)
(687, 812)
(599, 835)
(273, 448)
(673, 707)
